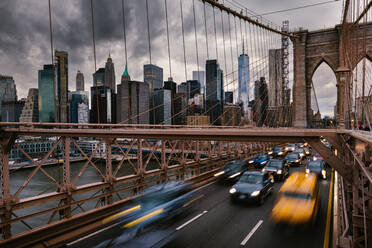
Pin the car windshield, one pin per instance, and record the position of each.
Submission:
(278, 149)
(297, 195)
(275, 164)
(251, 179)
(291, 145)
(261, 156)
(306, 149)
(314, 164)
(233, 165)
(292, 155)
(299, 150)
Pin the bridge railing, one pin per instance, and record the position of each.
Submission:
(78, 174)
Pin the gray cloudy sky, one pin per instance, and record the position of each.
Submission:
(25, 43)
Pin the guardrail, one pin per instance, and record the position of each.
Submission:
(69, 193)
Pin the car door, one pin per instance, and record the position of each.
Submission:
(266, 183)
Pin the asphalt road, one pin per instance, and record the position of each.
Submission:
(214, 221)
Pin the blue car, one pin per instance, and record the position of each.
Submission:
(259, 160)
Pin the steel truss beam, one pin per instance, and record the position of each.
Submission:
(179, 158)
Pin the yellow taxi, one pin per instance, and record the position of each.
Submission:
(298, 200)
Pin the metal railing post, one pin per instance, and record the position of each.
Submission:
(66, 177)
(6, 198)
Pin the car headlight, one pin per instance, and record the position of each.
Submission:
(280, 153)
(279, 172)
(286, 148)
(270, 153)
(301, 154)
(219, 173)
(314, 158)
(307, 171)
(250, 161)
(297, 160)
(263, 170)
(232, 190)
(235, 175)
(264, 162)
(255, 193)
(324, 174)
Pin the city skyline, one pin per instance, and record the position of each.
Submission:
(109, 40)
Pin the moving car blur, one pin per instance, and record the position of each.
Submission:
(290, 147)
(259, 160)
(278, 168)
(157, 204)
(317, 167)
(232, 170)
(297, 201)
(293, 159)
(300, 152)
(277, 151)
(253, 186)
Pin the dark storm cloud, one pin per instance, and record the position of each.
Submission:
(25, 47)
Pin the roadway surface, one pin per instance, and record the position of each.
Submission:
(214, 221)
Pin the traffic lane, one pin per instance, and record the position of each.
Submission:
(269, 235)
(227, 225)
(115, 235)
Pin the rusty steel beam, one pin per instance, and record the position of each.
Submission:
(330, 158)
(232, 135)
(246, 18)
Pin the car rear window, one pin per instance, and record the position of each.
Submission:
(297, 195)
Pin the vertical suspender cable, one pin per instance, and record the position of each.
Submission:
(51, 34)
(206, 31)
(183, 39)
(224, 46)
(215, 33)
(236, 39)
(124, 32)
(152, 78)
(148, 32)
(95, 59)
(169, 56)
(196, 39)
(231, 50)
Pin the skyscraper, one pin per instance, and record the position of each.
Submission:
(275, 78)
(79, 110)
(161, 106)
(109, 79)
(30, 112)
(47, 107)
(172, 86)
(200, 76)
(243, 81)
(193, 88)
(61, 95)
(214, 91)
(11, 110)
(8, 91)
(153, 76)
(103, 105)
(260, 102)
(132, 101)
(229, 97)
(79, 81)
(99, 77)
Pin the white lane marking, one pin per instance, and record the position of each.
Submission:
(202, 187)
(251, 232)
(92, 234)
(191, 220)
